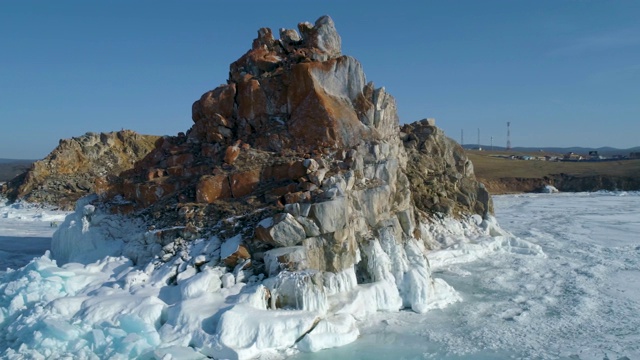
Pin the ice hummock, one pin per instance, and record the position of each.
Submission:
(549, 189)
(106, 294)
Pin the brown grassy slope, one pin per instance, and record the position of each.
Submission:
(502, 175)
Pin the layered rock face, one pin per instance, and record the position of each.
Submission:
(76, 165)
(294, 175)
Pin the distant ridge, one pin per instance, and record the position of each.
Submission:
(10, 168)
(606, 150)
(16, 161)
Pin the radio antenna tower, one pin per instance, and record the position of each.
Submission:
(479, 147)
(508, 135)
(461, 136)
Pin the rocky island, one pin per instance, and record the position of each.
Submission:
(293, 207)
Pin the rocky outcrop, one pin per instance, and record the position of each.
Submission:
(305, 156)
(294, 176)
(77, 167)
(441, 175)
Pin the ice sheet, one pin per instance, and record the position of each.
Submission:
(562, 283)
(25, 232)
(580, 301)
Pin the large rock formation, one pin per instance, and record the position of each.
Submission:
(73, 168)
(294, 174)
(298, 133)
(298, 130)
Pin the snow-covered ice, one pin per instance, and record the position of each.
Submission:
(563, 282)
(549, 189)
(579, 299)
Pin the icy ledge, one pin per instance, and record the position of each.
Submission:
(190, 308)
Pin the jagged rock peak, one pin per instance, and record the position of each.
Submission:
(318, 42)
(285, 106)
(298, 92)
(287, 101)
(323, 36)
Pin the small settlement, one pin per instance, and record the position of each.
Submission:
(570, 156)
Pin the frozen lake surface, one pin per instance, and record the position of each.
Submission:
(25, 232)
(579, 300)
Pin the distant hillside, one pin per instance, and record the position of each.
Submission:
(10, 168)
(15, 161)
(607, 150)
(503, 175)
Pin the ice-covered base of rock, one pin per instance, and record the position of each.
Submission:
(579, 302)
(188, 307)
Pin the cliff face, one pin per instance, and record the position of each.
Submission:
(294, 176)
(71, 170)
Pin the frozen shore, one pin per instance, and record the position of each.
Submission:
(566, 285)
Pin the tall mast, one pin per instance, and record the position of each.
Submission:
(508, 135)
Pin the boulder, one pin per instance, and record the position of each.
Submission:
(330, 215)
(289, 36)
(238, 256)
(212, 187)
(291, 170)
(310, 227)
(231, 154)
(252, 101)
(282, 230)
(297, 197)
(243, 183)
(373, 203)
(184, 160)
(316, 177)
(219, 101)
(311, 165)
(149, 193)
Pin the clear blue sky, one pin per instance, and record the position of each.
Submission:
(565, 73)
